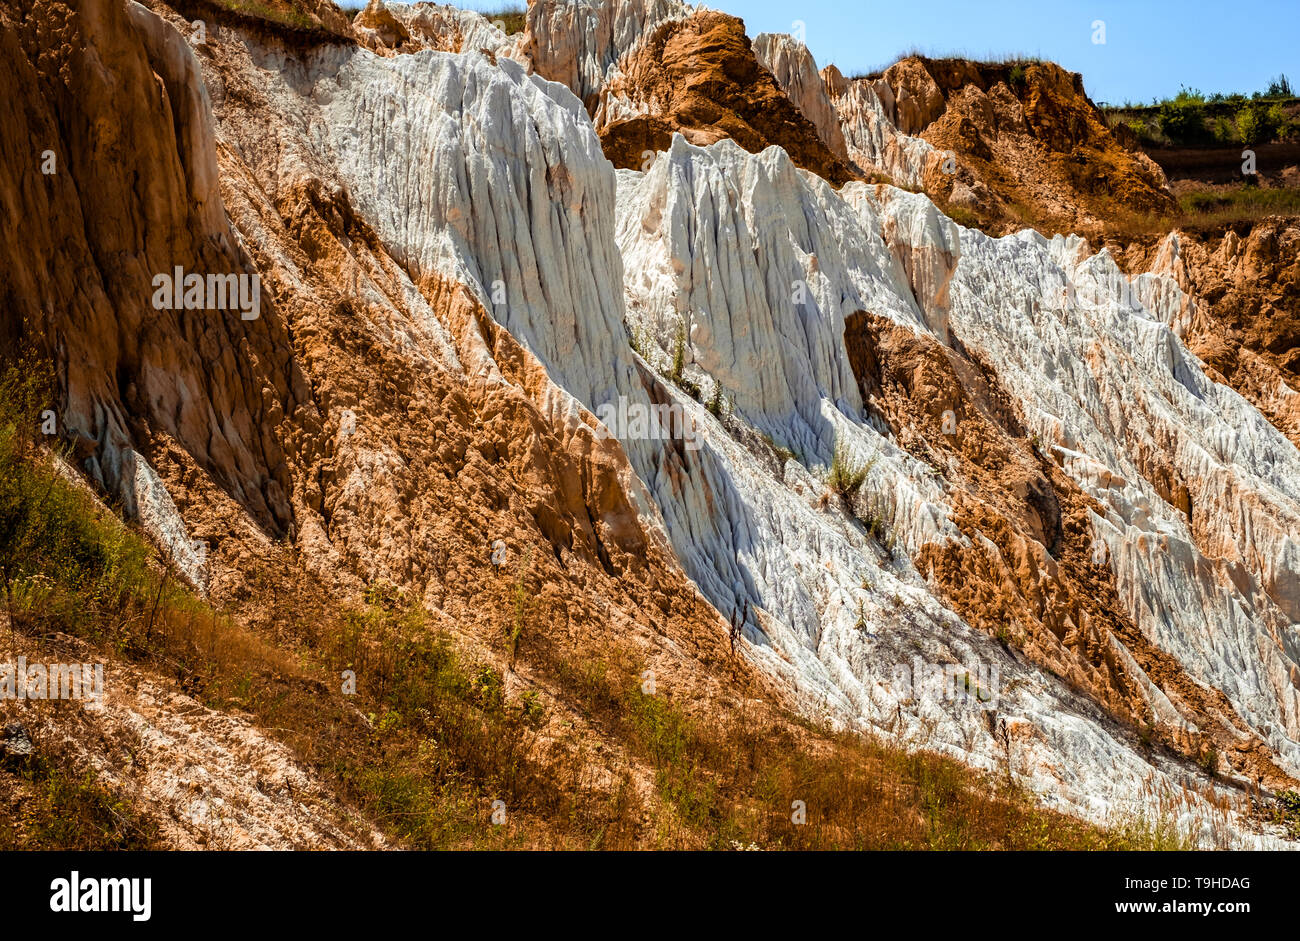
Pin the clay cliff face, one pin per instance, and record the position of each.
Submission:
(1057, 551)
(394, 432)
(795, 71)
(1003, 147)
(578, 42)
(400, 28)
(1030, 572)
(131, 199)
(700, 77)
(1027, 146)
(1243, 314)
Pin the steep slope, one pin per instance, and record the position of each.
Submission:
(578, 42)
(795, 70)
(400, 28)
(738, 531)
(423, 436)
(477, 336)
(985, 316)
(436, 423)
(1199, 491)
(1027, 147)
(578, 342)
(1243, 315)
(82, 270)
(550, 291)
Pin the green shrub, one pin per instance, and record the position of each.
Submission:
(679, 354)
(532, 711)
(1208, 759)
(846, 475)
(716, 403)
(1139, 128)
(1259, 123)
(1225, 131)
(65, 563)
(1280, 87)
(1287, 812)
(72, 810)
(1183, 122)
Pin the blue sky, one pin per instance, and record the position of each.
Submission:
(1152, 46)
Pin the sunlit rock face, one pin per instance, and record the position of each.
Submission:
(866, 110)
(577, 42)
(746, 269)
(1105, 360)
(474, 219)
(388, 28)
(130, 200)
(1239, 312)
(1199, 490)
(795, 71)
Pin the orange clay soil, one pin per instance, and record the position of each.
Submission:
(1030, 147)
(699, 77)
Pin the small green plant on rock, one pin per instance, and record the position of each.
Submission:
(679, 354)
(846, 474)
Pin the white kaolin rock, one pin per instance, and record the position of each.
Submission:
(484, 174)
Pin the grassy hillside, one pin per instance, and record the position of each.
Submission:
(434, 736)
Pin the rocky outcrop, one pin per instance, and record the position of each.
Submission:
(417, 434)
(1049, 523)
(1030, 572)
(874, 142)
(1172, 474)
(463, 300)
(917, 98)
(700, 77)
(124, 202)
(578, 42)
(388, 28)
(422, 348)
(762, 314)
(1004, 145)
(1242, 316)
(679, 287)
(795, 70)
